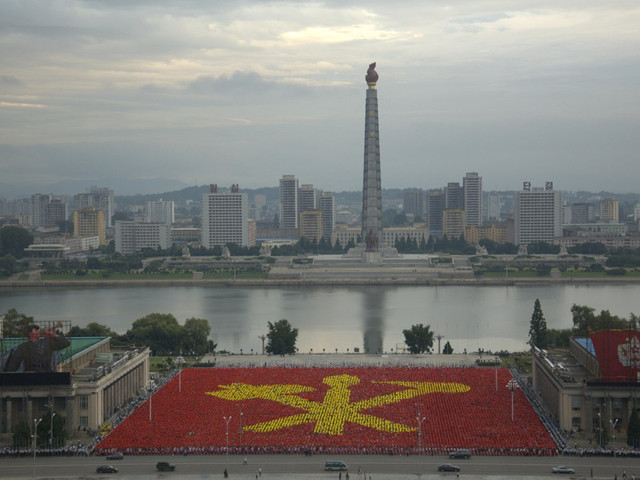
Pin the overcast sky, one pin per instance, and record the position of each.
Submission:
(215, 91)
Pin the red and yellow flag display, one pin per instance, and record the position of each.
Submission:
(329, 409)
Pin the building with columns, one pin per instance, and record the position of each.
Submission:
(93, 382)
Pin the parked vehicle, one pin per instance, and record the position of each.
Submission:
(447, 467)
(165, 466)
(115, 456)
(106, 469)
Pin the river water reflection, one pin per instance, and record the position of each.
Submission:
(329, 318)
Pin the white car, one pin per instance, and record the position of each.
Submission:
(562, 469)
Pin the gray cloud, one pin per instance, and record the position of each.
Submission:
(247, 91)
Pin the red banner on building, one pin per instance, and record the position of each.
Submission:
(618, 355)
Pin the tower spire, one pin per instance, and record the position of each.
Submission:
(372, 185)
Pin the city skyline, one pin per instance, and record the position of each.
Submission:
(178, 90)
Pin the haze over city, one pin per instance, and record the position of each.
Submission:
(244, 92)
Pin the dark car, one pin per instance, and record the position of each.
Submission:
(165, 466)
(460, 454)
(115, 456)
(562, 469)
(447, 467)
(106, 469)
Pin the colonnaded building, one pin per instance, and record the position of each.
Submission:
(592, 388)
(86, 386)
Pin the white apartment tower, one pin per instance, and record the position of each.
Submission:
(538, 214)
(289, 202)
(472, 185)
(160, 211)
(225, 217)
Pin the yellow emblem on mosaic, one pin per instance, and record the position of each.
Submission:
(335, 410)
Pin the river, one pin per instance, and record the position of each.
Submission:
(329, 318)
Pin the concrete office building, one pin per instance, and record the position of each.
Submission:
(493, 206)
(90, 222)
(472, 186)
(453, 222)
(609, 210)
(311, 225)
(225, 216)
(289, 202)
(133, 236)
(538, 214)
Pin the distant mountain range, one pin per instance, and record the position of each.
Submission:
(120, 186)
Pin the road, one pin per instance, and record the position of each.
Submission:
(275, 467)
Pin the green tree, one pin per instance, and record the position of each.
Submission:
(419, 338)
(558, 338)
(197, 332)
(21, 435)
(447, 349)
(633, 429)
(15, 324)
(93, 329)
(13, 241)
(160, 332)
(538, 327)
(7, 265)
(281, 338)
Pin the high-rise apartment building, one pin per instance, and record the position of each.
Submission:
(289, 204)
(413, 202)
(307, 198)
(472, 187)
(609, 210)
(160, 211)
(98, 198)
(327, 205)
(47, 211)
(538, 214)
(454, 196)
(225, 216)
(90, 222)
(435, 207)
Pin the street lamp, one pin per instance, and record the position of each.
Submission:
(36, 422)
(512, 385)
(51, 431)
(227, 420)
(180, 360)
(420, 420)
(51, 426)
